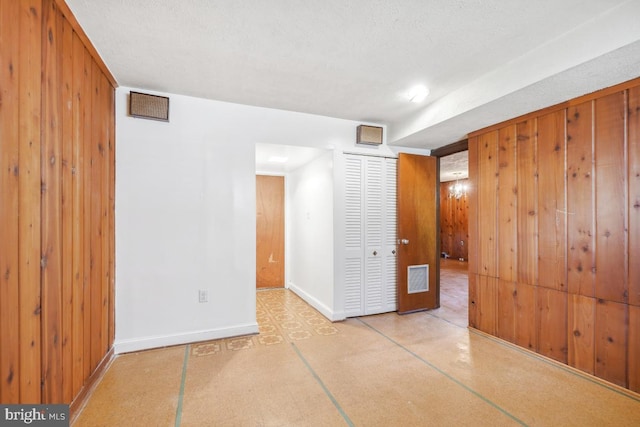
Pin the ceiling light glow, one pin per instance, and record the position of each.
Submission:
(417, 93)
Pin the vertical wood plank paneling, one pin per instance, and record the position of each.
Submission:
(551, 323)
(45, 221)
(29, 229)
(112, 210)
(581, 346)
(446, 218)
(633, 136)
(66, 57)
(487, 203)
(580, 207)
(454, 219)
(507, 205)
(87, 107)
(486, 310)
(462, 226)
(51, 212)
(527, 182)
(611, 199)
(10, 376)
(578, 221)
(472, 195)
(473, 300)
(611, 341)
(96, 218)
(104, 204)
(526, 316)
(633, 353)
(78, 168)
(506, 322)
(552, 211)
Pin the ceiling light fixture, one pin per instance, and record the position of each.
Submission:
(457, 190)
(418, 93)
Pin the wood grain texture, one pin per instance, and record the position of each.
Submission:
(526, 301)
(507, 212)
(486, 304)
(10, 376)
(633, 121)
(96, 272)
(454, 222)
(29, 106)
(611, 198)
(270, 231)
(552, 209)
(417, 222)
(110, 113)
(87, 107)
(527, 183)
(581, 261)
(66, 205)
(472, 195)
(447, 218)
(473, 300)
(581, 316)
(487, 204)
(45, 249)
(551, 323)
(578, 219)
(633, 352)
(506, 317)
(105, 279)
(78, 218)
(51, 208)
(611, 341)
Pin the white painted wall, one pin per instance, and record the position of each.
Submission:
(310, 229)
(185, 215)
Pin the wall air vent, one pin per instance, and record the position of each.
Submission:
(418, 278)
(371, 135)
(149, 106)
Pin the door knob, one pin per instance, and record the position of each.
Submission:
(404, 241)
(393, 252)
(375, 253)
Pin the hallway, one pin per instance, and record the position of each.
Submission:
(420, 369)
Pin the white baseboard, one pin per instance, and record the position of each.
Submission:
(315, 303)
(147, 343)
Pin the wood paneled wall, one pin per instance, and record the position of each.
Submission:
(57, 203)
(454, 219)
(555, 233)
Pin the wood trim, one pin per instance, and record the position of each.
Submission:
(566, 104)
(454, 148)
(85, 392)
(75, 25)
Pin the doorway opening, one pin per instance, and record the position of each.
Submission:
(307, 176)
(454, 235)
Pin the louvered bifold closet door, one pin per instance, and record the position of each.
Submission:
(370, 235)
(390, 235)
(354, 250)
(373, 235)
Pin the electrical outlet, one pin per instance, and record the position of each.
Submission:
(203, 295)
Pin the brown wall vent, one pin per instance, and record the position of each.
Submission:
(149, 106)
(371, 135)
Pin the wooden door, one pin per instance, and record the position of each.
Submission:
(418, 287)
(269, 231)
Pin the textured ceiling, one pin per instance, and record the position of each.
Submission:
(483, 60)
